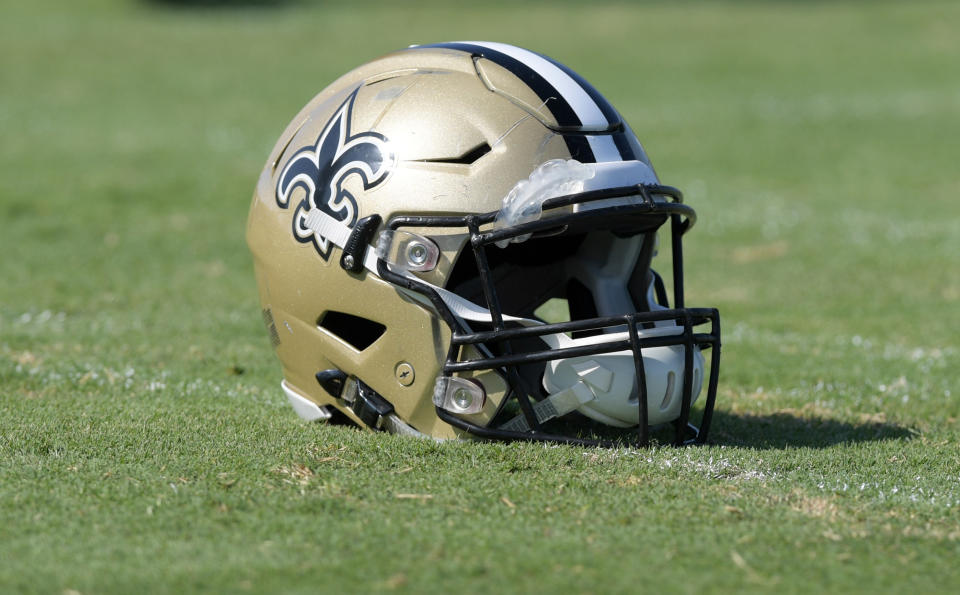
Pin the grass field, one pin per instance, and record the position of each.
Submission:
(145, 445)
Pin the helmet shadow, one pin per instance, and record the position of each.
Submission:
(785, 429)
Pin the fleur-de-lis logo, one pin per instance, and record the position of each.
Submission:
(320, 171)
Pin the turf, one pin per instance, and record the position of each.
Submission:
(145, 445)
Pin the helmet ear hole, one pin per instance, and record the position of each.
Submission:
(356, 331)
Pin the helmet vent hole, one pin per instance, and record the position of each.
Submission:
(356, 331)
(469, 158)
(668, 394)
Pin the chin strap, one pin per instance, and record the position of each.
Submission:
(593, 376)
(556, 405)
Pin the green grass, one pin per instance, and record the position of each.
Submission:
(145, 445)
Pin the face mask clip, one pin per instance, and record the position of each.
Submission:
(458, 395)
(408, 251)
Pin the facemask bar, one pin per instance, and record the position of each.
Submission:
(681, 217)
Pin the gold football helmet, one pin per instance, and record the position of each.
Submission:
(455, 240)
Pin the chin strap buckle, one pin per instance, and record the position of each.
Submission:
(355, 248)
(370, 407)
(332, 381)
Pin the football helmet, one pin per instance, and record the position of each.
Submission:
(455, 240)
